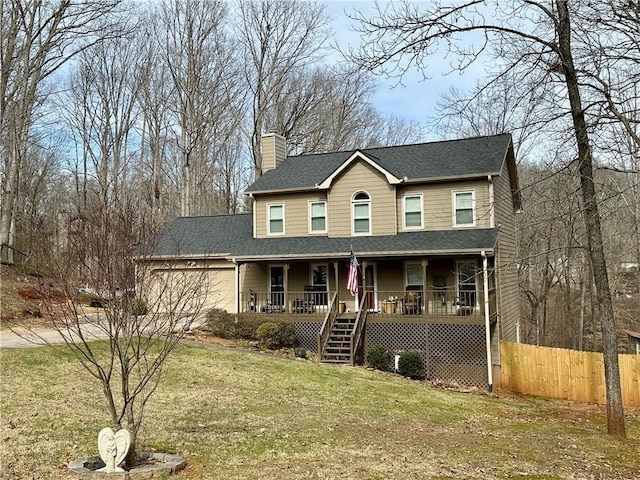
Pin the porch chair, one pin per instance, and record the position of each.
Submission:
(412, 303)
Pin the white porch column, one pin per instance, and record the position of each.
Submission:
(425, 263)
(237, 284)
(286, 288)
(336, 279)
(361, 295)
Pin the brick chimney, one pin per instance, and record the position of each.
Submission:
(274, 151)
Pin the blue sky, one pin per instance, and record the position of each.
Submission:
(415, 99)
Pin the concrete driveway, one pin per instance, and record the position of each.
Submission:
(25, 338)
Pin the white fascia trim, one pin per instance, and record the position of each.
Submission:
(358, 155)
(178, 257)
(396, 253)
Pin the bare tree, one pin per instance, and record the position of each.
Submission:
(147, 308)
(101, 101)
(37, 39)
(199, 57)
(155, 129)
(504, 107)
(339, 114)
(280, 40)
(542, 41)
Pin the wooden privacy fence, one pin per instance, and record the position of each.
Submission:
(566, 374)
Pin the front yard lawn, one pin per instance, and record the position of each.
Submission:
(238, 415)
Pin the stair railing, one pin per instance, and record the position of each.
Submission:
(327, 325)
(358, 327)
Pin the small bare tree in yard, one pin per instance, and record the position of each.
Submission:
(144, 314)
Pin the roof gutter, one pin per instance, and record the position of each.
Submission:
(323, 255)
(306, 188)
(448, 178)
(177, 256)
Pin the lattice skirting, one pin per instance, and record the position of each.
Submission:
(450, 352)
(307, 334)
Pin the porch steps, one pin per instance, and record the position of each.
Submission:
(338, 348)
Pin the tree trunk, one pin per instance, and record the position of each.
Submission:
(615, 412)
(580, 345)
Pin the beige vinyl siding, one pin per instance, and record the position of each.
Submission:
(214, 282)
(438, 203)
(506, 258)
(254, 277)
(361, 177)
(296, 212)
(390, 277)
(298, 276)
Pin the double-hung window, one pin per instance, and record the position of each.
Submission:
(317, 217)
(464, 206)
(412, 204)
(275, 220)
(361, 213)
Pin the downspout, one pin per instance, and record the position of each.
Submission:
(487, 332)
(492, 205)
(254, 220)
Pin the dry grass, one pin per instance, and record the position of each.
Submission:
(239, 415)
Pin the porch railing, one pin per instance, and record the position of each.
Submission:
(327, 325)
(294, 302)
(431, 302)
(358, 327)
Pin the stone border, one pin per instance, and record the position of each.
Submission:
(169, 465)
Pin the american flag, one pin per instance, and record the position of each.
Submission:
(352, 276)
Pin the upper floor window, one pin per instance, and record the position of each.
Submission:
(361, 213)
(318, 217)
(412, 205)
(464, 203)
(275, 220)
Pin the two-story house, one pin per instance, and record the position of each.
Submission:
(432, 226)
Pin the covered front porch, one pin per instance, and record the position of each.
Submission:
(406, 287)
(442, 307)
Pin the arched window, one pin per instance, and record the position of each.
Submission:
(361, 214)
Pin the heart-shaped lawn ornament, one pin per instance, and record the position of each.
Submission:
(113, 448)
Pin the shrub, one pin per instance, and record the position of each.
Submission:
(267, 335)
(287, 335)
(220, 323)
(378, 357)
(274, 335)
(139, 307)
(246, 326)
(410, 365)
